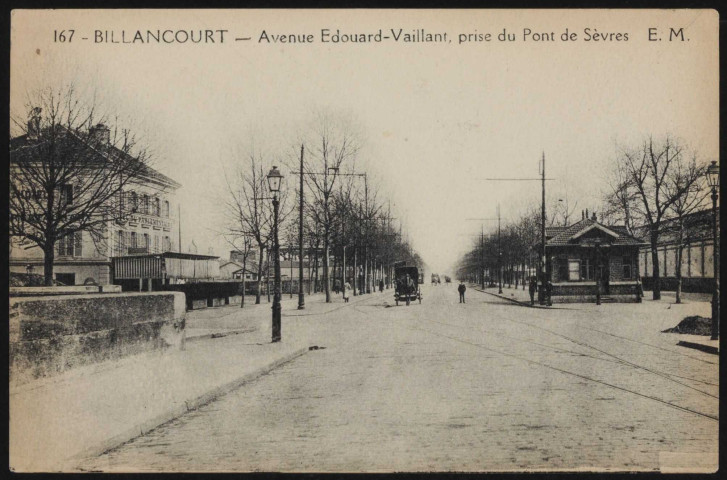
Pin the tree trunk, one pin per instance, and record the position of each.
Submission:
(326, 281)
(242, 297)
(259, 276)
(678, 272)
(656, 294)
(48, 259)
(680, 254)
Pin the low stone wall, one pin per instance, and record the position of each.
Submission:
(689, 284)
(49, 335)
(585, 292)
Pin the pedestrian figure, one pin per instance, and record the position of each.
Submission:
(533, 286)
(348, 289)
(381, 285)
(336, 286)
(410, 287)
(461, 289)
(549, 293)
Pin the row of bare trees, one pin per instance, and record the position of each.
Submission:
(510, 255)
(344, 220)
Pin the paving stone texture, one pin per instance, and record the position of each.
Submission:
(441, 386)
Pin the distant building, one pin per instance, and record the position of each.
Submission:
(153, 228)
(580, 254)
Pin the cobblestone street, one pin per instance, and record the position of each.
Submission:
(441, 386)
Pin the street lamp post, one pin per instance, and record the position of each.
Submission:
(713, 180)
(597, 268)
(274, 178)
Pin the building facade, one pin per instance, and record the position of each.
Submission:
(152, 226)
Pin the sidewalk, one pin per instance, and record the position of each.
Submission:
(693, 304)
(57, 422)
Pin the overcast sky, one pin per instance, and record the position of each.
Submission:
(437, 118)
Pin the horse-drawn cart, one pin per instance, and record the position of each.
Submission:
(407, 285)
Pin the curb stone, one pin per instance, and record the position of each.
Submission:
(522, 304)
(175, 412)
(699, 346)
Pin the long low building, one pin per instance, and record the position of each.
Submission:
(697, 262)
(153, 272)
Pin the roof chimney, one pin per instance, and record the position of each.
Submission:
(34, 123)
(100, 133)
(586, 213)
(594, 217)
(583, 215)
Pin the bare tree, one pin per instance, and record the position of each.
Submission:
(619, 200)
(332, 146)
(249, 212)
(68, 170)
(685, 184)
(646, 189)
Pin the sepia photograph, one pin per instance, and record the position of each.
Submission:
(364, 240)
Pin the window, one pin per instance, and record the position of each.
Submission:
(627, 267)
(134, 243)
(67, 194)
(145, 204)
(157, 206)
(166, 208)
(120, 243)
(167, 244)
(147, 243)
(586, 269)
(134, 201)
(79, 244)
(574, 267)
(70, 245)
(156, 244)
(66, 278)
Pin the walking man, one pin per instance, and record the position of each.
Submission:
(532, 287)
(461, 289)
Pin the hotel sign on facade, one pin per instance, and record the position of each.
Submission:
(151, 221)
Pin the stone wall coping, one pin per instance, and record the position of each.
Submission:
(55, 298)
(65, 290)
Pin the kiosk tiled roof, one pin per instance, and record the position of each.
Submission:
(566, 235)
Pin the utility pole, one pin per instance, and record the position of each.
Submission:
(541, 292)
(499, 252)
(542, 273)
(482, 255)
(366, 235)
(301, 295)
(482, 244)
(179, 230)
